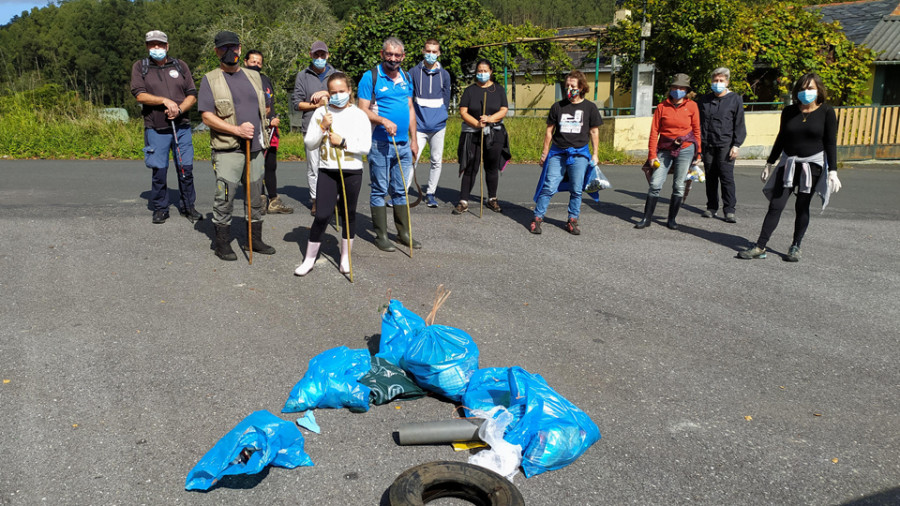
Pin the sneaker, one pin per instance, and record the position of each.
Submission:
(461, 208)
(276, 206)
(160, 216)
(535, 227)
(729, 218)
(793, 254)
(754, 252)
(191, 214)
(429, 200)
(708, 214)
(493, 205)
(388, 203)
(572, 226)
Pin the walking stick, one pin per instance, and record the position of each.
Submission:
(481, 156)
(249, 217)
(346, 212)
(180, 165)
(406, 194)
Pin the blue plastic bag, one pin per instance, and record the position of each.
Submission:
(441, 359)
(331, 381)
(259, 440)
(552, 431)
(398, 326)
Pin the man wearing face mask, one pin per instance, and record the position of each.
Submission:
(165, 89)
(272, 203)
(385, 95)
(723, 131)
(310, 93)
(233, 105)
(431, 85)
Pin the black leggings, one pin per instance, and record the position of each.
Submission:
(779, 201)
(328, 187)
(492, 160)
(269, 177)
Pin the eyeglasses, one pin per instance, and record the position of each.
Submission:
(394, 56)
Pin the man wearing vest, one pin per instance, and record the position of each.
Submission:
(232, 104)
(385, 95)
(310, 93)
(165, 89)
(431, 84)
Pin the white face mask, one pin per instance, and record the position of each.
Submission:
(158, 54)
(483, 77)
(339, 100)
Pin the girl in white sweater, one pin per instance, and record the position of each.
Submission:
(342, 134)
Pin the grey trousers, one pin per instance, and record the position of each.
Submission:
(229, 170)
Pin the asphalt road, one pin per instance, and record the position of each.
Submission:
(128, 349)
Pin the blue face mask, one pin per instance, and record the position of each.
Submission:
(339, 100)
(158, 54)
(718, 87)
(808, 96)
(319, 63)
(677, 94)
(483, 77)
(431, 58)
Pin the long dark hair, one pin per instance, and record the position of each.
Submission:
(804, 81)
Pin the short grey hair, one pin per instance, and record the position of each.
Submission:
(721, 71)
(392, 42)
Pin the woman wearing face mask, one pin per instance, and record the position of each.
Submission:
(806, 151)
(482, 108)
(571, 123)
(342, 134)
(674, 142)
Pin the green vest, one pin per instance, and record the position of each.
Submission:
(220, 141)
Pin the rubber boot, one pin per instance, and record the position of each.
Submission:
(223, 243)
(346, 246)
(674, 206)
(258, 245)
(379, 221)
(312, 251)
(649, 207)
(401, 220)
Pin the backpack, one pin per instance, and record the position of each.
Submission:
(145, 66)
(375, 80)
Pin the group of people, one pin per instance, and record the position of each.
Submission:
(399, 112)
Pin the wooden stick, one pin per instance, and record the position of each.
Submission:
(405, 193)
(338, 156)
(249, 217)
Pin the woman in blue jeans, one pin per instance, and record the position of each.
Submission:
(674, 140)
(571, 123)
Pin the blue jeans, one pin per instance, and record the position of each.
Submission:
(556, 170)
(157, 144)
(386, 181)
(682, 164)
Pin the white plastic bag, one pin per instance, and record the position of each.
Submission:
(503, 458)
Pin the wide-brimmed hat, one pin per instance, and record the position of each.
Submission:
(226, 38)
(156, 36)
(681, 80)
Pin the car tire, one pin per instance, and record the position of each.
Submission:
(426, 482)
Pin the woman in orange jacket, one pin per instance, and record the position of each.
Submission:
(674, 139)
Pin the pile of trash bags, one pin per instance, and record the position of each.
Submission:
(527, 422)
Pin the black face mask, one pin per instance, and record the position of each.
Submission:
(230, 57)
(255, 67)
(390, 65)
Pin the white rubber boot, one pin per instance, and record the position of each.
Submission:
(312, 251)
(346, 246)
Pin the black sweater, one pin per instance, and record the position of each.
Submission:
(807, 134)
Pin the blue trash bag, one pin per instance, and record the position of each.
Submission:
(332, 381)
(398, 326)
(441, 359)
(552, 431)
(259, 440)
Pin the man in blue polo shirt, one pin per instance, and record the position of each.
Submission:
(386, 99)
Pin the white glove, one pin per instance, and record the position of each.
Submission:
(767, 170)
(833, 181)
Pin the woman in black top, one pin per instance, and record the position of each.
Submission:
(482, 107)
(805, 149)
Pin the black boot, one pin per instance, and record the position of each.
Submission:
(401, 220)
(649, 207)
(379, 221)
(674, 206)
(258, 245)
(223, 243)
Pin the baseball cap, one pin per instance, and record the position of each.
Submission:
(225, 38)
(318, 46)
(156, 35)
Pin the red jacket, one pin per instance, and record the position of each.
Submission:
(670, 120)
